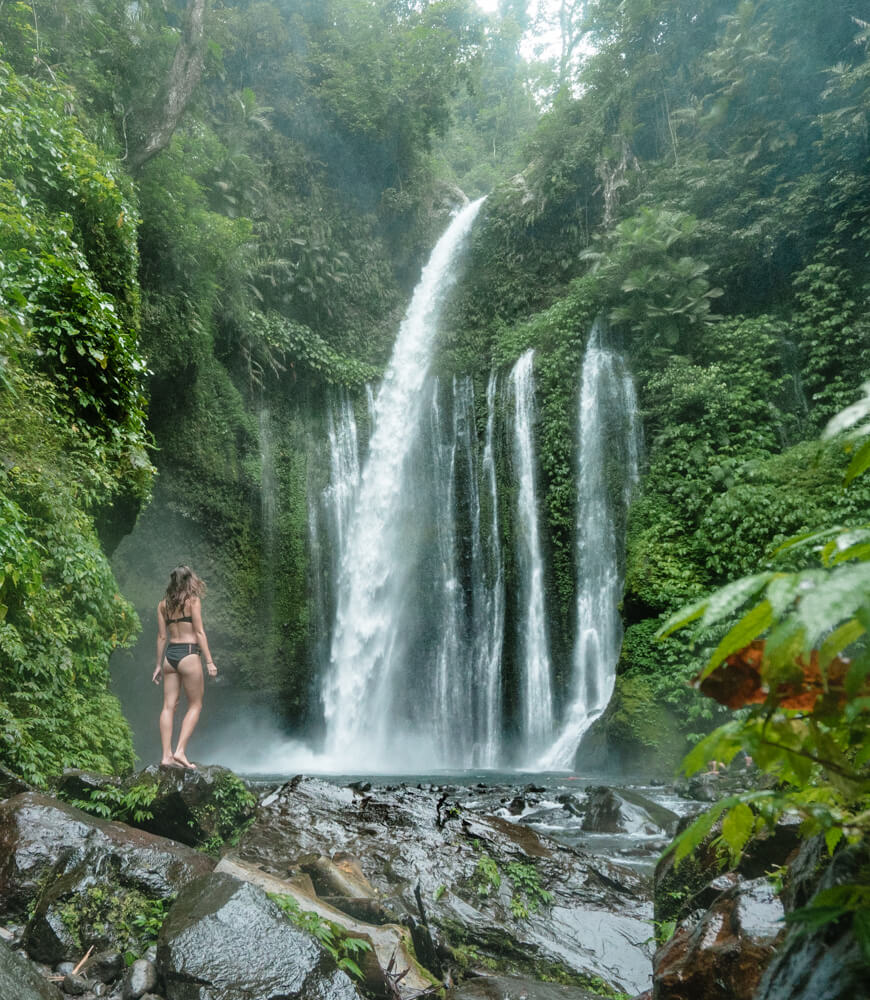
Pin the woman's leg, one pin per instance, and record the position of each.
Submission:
(190, 669)
(171, 689)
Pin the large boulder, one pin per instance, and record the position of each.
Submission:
(200, 807)
(491, 891)
(40, 837)
(83, 881)
(393, 946)
(722, 955)
(11, 784)
(224, 939)
(622, 810)
(21, 980)
(696, 881)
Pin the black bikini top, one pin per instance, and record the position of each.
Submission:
(173, 621)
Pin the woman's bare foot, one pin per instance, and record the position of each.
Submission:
(180, 758)
(169, 761)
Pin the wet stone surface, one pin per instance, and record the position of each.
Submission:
(491, 889)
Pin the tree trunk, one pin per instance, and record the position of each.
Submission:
(184, 76)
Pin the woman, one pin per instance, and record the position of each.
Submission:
(181, 640)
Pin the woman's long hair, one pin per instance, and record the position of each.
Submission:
(183, 584)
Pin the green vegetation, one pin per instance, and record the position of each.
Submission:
(128, 805)
(124, 915)
(72, 431)
(805, 685)
(345, 949)
(528, 895)
(488, 877)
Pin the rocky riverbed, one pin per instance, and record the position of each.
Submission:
(343, 890)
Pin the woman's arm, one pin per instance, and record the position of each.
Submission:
(198, 627)
(161, 644)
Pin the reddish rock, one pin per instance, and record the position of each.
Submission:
(722, 955)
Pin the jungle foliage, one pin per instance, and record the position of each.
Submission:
(701, 182)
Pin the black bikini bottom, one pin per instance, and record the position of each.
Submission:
(176, 652)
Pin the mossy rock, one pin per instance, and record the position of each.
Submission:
(202, 808)
(635, 733)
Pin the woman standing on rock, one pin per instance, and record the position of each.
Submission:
(181, 641)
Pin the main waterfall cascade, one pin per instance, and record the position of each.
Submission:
(378, 695)
(414, 608)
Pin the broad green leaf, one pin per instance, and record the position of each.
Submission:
(859, 464)
(750, 627)
(832, 838)
(722, 744)
(726, 601)
(824, 606)
(737, 828)
(807, 538)
(846, 545)
(682, 617)
(851, 416)
(841, 638)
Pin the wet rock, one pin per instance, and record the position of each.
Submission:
(11, 784)
(515, 988)
(225, 940)
(570, 803)
(517, 805)
(141, 978)
(722, 955)
(105, 966)
(76, 784)
(823, 963)
(702, 876)
(20, 980)
(75, 985)
(485, 881)
(340, 882)
(41, 839)
(623, 810)
(191, 806)
(391, 943)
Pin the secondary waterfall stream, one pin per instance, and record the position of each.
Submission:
(608, 457)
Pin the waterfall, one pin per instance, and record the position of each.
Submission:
(339, 495)
(328, 514)
(487, 600)
(609, 443)
(533, 645)
(376, 692)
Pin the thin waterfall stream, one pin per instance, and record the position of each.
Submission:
(532, 638)
(608, 452)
